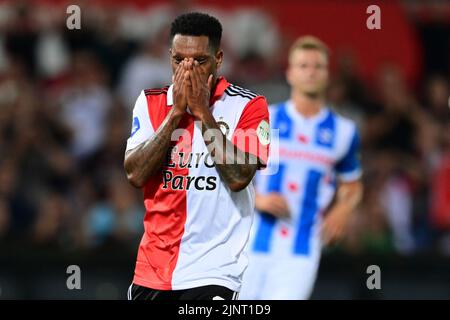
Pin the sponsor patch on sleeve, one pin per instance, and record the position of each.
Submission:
(263, 132)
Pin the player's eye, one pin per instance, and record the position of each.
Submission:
(202, 60)
(178, 60)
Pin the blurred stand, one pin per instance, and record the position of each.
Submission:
(65, 108)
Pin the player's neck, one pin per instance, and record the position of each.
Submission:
(306, 105)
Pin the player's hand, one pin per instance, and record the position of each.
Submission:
(198, 88)
(273, 203)
(333, 227)
(179, 88)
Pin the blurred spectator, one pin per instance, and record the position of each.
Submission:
(21, 37)
(252, 31)
(51, 224)
(150, 68)
(65, 114)
(5, 220)
(396, 199)
(437, 98)
(115, 218)
(85, 104)
(347, 92)
(112, 49)
(431, 19)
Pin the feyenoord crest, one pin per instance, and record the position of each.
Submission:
(223, 126)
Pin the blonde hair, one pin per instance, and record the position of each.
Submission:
(309, 43)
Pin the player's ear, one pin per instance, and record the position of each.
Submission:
(288, 76)
(219, 58)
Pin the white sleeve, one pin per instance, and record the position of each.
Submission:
(141, 128)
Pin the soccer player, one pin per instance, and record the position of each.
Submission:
(318, 162)
(194, 149)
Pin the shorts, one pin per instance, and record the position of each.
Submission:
(270, 278)
(211, 292)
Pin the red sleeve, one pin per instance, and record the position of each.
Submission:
(252, 133)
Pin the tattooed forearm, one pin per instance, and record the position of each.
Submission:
(146, 159)
(235, 167)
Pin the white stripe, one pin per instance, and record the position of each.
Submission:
(241, 92)
(129, 292)
(243, 89)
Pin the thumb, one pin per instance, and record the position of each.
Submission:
(210, 82)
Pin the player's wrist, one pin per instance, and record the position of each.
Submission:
(176, 114)
(204, 115)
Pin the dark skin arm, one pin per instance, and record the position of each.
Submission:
(146, 159)
(235, 167)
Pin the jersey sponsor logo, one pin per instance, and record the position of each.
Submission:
(181, 182)
(177, 160)
(136, 126)
(263, 132)
(182, 160)
(316, 157)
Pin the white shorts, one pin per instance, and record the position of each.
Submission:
(270, 278)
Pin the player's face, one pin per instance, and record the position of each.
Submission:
(308, 71)
(196, 47)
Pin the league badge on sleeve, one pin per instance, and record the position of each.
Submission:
(136, 126)
(263, 132)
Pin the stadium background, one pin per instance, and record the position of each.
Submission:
(65, 107)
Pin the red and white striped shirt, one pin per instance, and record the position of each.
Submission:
(196, 228)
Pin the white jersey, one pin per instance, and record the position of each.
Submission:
(195, 227)
(313, 153)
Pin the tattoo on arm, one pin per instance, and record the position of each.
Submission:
(146, 159)
(235, 167)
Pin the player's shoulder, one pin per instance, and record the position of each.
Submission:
(343, 123)
(152, 98)
(156, 91)
(278, 108)
(235, 91)
(341, 119)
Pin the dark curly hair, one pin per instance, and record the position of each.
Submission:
(198, 24)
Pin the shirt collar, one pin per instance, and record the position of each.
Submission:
(221, 85)
(321, 115)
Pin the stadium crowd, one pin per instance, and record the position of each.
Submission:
(65, 114)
